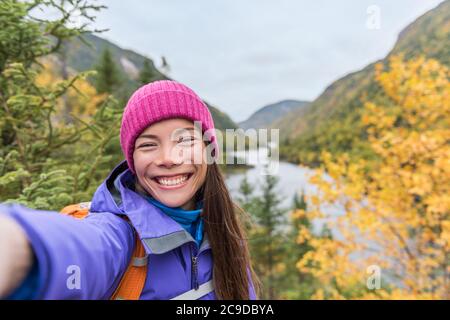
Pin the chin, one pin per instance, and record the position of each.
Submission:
(171, 202)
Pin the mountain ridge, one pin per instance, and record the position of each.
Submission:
(267, 115)
(331, 121)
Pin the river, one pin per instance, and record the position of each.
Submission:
(292, 178)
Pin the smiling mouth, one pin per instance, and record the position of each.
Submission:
(172, 181)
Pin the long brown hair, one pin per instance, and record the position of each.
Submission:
(232, 267)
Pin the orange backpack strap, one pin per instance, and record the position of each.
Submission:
(79, 210)
(133, 280)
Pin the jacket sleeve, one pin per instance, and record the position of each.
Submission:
(77, 259)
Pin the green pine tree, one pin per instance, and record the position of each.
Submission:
(108, 76)
(43, 164)
(296, 284)
(245, 192)
(147, 73)
(267, 235)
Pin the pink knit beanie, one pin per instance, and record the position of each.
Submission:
(161, 100)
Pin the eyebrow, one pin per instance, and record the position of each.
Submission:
(152, 136)
(186, 128)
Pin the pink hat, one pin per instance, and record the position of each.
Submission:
(158, 101)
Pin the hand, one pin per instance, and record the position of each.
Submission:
(16, 255)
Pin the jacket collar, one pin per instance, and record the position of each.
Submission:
(159, 232)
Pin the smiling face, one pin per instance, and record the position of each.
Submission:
(169, 162)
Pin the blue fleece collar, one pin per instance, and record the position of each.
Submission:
(190, 220)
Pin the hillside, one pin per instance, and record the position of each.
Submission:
(80, 57)
(264, 117)
(331, 121)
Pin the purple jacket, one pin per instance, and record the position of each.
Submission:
(99, 247)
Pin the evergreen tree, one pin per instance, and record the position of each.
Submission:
(266, 237)
(108, 76)
(245, 192)
(43, 164)
(165, 65)
(298, 285)
(147, 73)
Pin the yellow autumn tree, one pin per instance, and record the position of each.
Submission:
(390, 217)
(81, 100)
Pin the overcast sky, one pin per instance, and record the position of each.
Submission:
(243, 55)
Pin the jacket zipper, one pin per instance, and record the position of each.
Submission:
(194, 268)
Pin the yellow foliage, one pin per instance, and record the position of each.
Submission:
(82, 100)
(396, 208)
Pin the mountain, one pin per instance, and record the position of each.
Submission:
(331, 122)
(83, 54)
(264, 117)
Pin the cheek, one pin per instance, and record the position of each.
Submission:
(197, 155)
(142, 159)
(201, 175)
(193, 154)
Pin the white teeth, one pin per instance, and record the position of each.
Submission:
(172, 181)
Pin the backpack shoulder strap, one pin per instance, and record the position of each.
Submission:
(133, 280)
(78, 210)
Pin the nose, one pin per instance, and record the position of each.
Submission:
(168, 157)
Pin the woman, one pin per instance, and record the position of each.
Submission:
(168, 192)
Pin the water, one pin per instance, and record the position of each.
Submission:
(293, 179)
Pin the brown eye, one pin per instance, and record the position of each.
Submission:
(187, 140)
(147, 145)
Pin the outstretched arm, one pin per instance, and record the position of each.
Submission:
(16, 255)
(77, 259)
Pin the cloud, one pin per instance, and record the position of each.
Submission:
(242, 55)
